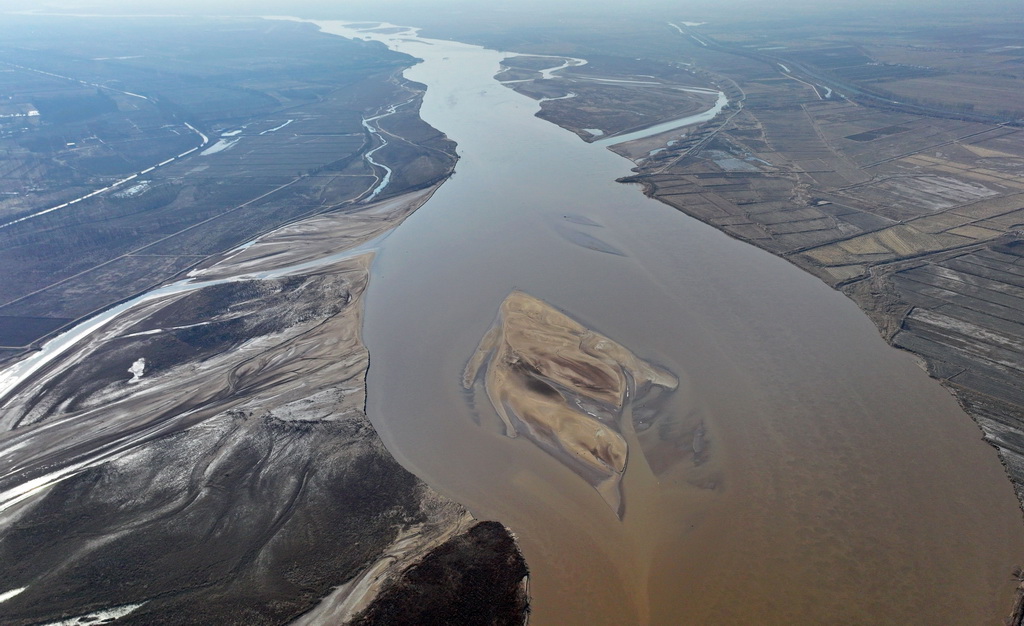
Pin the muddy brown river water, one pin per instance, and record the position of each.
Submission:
(840, 484)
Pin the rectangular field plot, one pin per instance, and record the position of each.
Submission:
(21, 331)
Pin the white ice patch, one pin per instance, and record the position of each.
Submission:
(101, 617)
(565, 97)
(137, 369)
(277, 128)
(597, 132)
(134, 190)
(7, 595)
(621, 81)
(220, 146)
(142, 333)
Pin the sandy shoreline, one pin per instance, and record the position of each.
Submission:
(267, 355)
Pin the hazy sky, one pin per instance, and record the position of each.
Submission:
(723, 8)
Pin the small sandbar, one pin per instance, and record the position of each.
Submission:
(565, 387)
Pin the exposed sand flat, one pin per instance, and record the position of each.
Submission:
(317, 237)
(356, 595)
(988, 153)
(565, 387)
(235, 472)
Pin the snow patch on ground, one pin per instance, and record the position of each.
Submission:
(141, 333)
(277, 128)
(220, 146)
(134, 190)
(7, 595)
(101, 617)
(565, 97)
(137, 369)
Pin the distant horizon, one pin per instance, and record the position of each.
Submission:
(700, 10)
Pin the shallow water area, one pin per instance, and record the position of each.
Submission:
(843, 485)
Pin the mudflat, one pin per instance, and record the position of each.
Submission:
(207, 456)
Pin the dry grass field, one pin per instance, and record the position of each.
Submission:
(194, 161)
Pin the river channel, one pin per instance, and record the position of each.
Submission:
(842, 484)
(838, 483)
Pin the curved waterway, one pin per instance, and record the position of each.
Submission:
(842, 484)
(664, 127)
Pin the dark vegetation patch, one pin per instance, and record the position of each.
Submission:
(871, 135)
(234, 522)
(105, 249)
(21, 331)
(74, 108)
(85, 293)
(1012, 248)
(473, 578)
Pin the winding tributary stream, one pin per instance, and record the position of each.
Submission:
(843, 486)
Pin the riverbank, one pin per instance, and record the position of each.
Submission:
(605, 101)
(770, 483)
(204, 454)
(291, 144)
(915, 220)
(912, 218)
(806, 475)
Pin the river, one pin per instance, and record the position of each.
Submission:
(844, 486)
